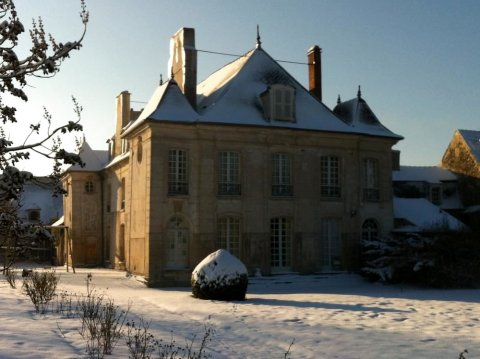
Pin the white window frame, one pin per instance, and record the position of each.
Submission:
(281, 229)
(330, 177)
(281, 175)
(279, 102)
(228, 234)
(331, 243)
(229, 173)
(177, 172)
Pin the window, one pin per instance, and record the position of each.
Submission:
(177, 172)
(177, 236)
(229, 173)
(125, 145)
(370, 230)
(331, 245)
(280, 243)
(371, 191)
(281, 175)
(33, 215)
(122, 194)
(139, 149)
(436, 195)
(329, 177)
(279, 102)
(108, 197)
(228, 229)
(89, 187)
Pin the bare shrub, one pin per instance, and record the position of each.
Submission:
(102, 322)
(66, 304)
(173, 351)
(40, 287)
(10, 277)
(140, 342)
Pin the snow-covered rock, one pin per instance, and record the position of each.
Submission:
(220, 276)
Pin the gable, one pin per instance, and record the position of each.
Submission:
(460, 155)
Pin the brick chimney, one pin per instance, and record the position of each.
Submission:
(183, 63)
(315, 71)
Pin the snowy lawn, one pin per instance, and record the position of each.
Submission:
(327, 316)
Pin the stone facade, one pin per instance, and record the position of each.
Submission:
(281, 195)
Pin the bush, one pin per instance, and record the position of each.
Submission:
(102, 322)
(11, 277)
(220, 276)
(140, 342)
(40, 287)
(222, 289)
(447, 260)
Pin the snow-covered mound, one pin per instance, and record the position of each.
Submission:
(220, 276)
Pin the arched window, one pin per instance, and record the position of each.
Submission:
(370, 230)
(177, 246)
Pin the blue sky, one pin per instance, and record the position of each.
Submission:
(418, 62)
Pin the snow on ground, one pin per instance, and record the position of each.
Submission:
(327, 316)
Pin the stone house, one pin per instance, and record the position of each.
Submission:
(247, 160)
(462, 156)
(463, 153)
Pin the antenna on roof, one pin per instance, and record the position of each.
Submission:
(339, 100)
(259, 42)
(359, 93)
(161, 80)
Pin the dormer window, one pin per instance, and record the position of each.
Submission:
(279, 102)
(33, 214)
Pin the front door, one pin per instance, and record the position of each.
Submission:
(177, 237)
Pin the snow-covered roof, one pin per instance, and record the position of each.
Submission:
(59, 222)
(167, 104)
(472, 139)
(430, 174)
(38, 195)
(423, 215)
(95, 160)
(118, 159)
(231, 95)
(359, 115)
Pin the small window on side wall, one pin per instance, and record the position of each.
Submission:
(89, 187)
(279, 102)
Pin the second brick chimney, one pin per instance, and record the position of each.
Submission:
(315, 71)
(183, 63)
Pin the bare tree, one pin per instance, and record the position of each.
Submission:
(44, 59)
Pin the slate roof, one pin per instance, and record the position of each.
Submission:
(360, 116)
(430, 174)
(423, 215)
(231, 95)
(95, 160)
